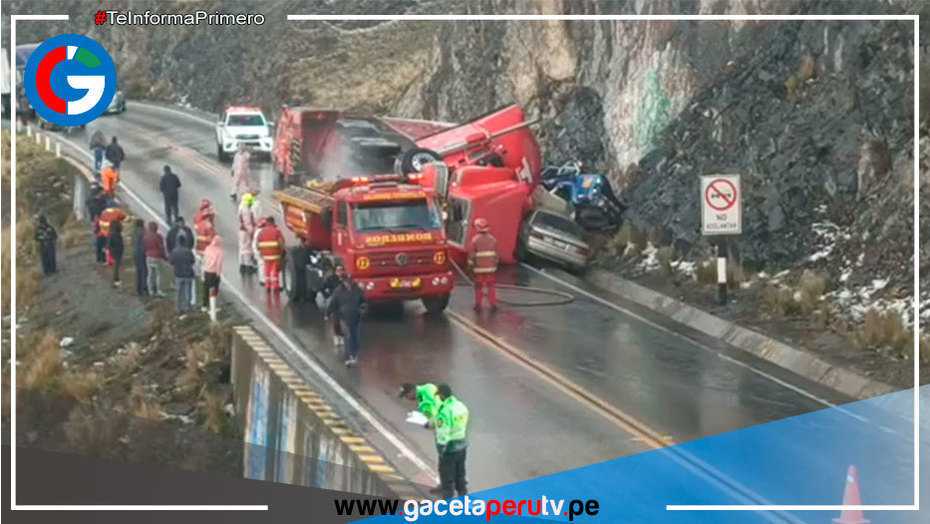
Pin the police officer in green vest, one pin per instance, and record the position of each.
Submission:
(426, 396)
(451, 441)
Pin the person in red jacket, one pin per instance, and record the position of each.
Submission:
(206, 208)
(483, 258)
(271, 248)
(155, 257)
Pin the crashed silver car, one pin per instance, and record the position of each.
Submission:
(553, 237)
(118, 104)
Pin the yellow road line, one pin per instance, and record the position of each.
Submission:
(626, 421)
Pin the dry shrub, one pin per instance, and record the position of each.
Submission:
(706, 271)
(220, 342)
(81, 386)
(73, 233)
(129, 360)
(196, 354)
(28, 284)
(212, 406)
(924, 349)
(41, 362)
(736, 275)
(25, 242)
(665, 255)
(806, 71)
(780, 300)
(811, 287)
(140, 406)
(94, 432)
(883, 330)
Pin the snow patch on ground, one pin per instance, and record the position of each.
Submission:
(650, 261)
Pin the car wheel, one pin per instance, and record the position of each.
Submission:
(435, 305)
(220, 154)
(413, 160)
(592, 218)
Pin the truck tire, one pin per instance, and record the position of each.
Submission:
(295, 282)
(435, 305)
(592, 218)
(413, 160)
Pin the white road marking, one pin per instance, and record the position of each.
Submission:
(350, 399)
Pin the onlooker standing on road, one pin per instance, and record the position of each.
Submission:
(98, 144)
(138, 256)
(451, 442)
(115, 248)
(46, 237)
(182, 258)
(96, 203)
(348, 302)
(154, 257)
(115, 154)
(241, 173)
(212, 269)
(179, 234)
(169, 185)
(330, 284)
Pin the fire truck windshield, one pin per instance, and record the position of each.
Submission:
(395, 216)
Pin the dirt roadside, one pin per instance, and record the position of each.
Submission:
(101, 371)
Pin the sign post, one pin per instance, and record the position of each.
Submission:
(721, 215)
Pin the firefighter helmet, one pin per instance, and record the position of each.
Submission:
(482, 225)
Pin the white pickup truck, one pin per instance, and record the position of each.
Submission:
(243, 125)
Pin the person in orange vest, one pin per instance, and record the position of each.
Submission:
(110, 178)
(483, 258)
(271, 248)
(205, 230)
(111, 214)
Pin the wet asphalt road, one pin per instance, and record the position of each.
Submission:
(674, 381)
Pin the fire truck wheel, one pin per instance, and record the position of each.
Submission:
(436, 304)
(413, 160)
(295, 283)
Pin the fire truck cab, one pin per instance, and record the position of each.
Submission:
(386, 230)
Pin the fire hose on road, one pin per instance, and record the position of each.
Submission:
(560, 297)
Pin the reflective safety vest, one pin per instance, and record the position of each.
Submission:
(483, 254)
(428, 398)
(107, 217)
(270, 243)
(205, 234)
(452, 423)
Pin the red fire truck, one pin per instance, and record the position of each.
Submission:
(386, 230)
(489, 167)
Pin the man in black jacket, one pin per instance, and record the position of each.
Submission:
(348, 302)
(115, 154)
(179, 235)
(169, 185)
(138, 257)
(46, 236)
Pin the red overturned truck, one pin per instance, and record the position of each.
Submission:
(489, 167)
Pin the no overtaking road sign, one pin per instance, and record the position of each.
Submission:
(721, 205)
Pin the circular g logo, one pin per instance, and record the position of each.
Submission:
(70, 80)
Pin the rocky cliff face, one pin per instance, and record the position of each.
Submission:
(816, 116)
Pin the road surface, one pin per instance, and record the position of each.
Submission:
(590, 382)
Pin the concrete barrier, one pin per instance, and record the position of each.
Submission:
(292, 435)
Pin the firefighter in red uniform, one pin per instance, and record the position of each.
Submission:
(111, 214)
(483, 258)
(204, 229)
(271, 248)
(206, 208)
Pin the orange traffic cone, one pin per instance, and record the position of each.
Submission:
(851, 498)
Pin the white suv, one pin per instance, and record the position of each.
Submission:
(242, 125)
